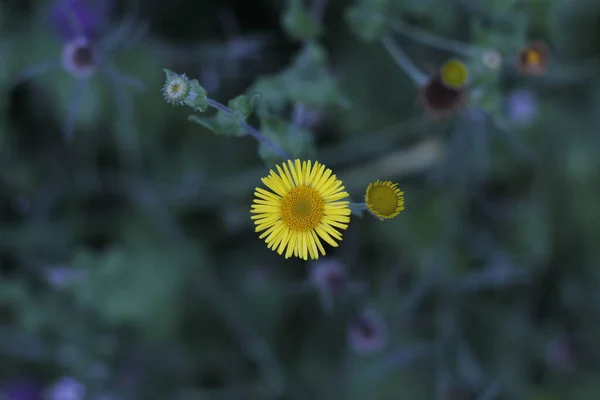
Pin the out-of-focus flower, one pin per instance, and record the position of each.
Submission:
(62, 276)
(438, 100)
(384, 200)
(79, 57)
(368, 333)
(76, 18)
(84, 54)
(67, 388)
(454, 74)
(304, 205)
(329, 275)
(533, 59)
(559, 355)
(521, 106)
(491, 59)
(21, 389)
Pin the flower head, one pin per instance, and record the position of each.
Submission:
(368, 333)
(79, 57)
(454, 74)
(67, 388)
(533, 59)
(176, 89)
(438, 99)
(522, 107)
(491, 59)
(384, 200)
(328, 275)
(304, 204)
(22, 389)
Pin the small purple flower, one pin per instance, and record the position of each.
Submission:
(560, 355)
(67, 388)
(74, 18)
(522, 107)
(22, 389)
(368, 333)
(79, 57)
(329, 275)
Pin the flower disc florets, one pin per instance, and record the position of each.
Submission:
(176, 89)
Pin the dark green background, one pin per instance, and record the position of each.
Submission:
(180, 298)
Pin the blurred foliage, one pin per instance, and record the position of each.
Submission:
(128, 260)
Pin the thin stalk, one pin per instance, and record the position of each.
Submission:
(418, 77)
(255, 133)
(358, 208)
(436, 41)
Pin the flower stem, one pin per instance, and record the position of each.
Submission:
(255, 133)
(418, 77)
(358, 208)
(434, 40)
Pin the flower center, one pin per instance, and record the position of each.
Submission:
(83, 56)
(302, 209)
(383, 200)
(533, 57)
(454, 73)
(175, 88)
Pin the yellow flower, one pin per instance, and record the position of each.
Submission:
(533, 59)
(454, 74)
(303, 206)
(384, 199)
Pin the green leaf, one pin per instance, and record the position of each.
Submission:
(298, 143)
(368, 25)
(133, 286)
(272, 90)
(198, 98)
(298, 23)
(309, 82)
(169, 74)
(221, 123)
(243, 105)
(314, 86)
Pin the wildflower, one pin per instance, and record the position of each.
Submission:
(491, 59)
(559, 354)
(176, 89)
(304, 206)
(67, 389)
(384, 200)
(83, 54)
(91, 17)
(368, 333)
(533, 59)
(439, 100)
(79, 57)
(21, 389)
(521, 106)
(328, 275)
(61, 276)
(454, 74)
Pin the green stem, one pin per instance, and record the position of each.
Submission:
(358, 208)
(436, 41)
(255, 133)
(418, 77)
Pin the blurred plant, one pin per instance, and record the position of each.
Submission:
(67, 388)
(21, 389)
(368, 333)
(84, 54)
(533, 59)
